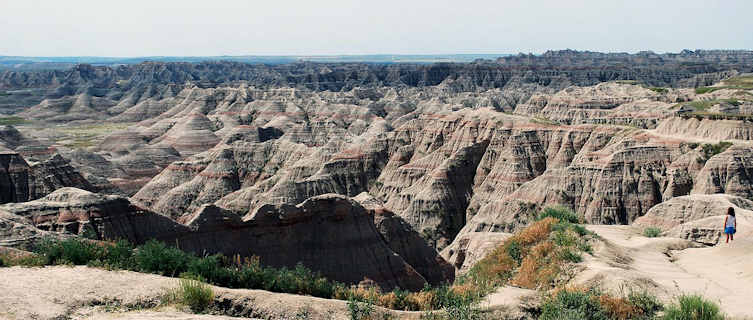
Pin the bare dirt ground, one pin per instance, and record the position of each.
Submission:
(80, 292)
(62, 292)
(669, 267)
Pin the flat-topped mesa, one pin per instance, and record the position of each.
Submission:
(330, 234)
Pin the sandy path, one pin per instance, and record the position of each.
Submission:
(722, 273)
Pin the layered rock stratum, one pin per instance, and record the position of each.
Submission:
(365, 173)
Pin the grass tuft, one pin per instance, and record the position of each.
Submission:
(192, 293)
(580, 303)
(651, 232)
(12, 121)
(561, 213)
(693, 307)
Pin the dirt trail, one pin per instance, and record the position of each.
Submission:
(723, 273)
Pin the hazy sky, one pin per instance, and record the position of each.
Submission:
(307, 27)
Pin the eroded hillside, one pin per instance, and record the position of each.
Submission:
(364, 173)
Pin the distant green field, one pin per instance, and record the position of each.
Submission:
(12, 121)
(659, 90)
(702, 105)
(743, 83)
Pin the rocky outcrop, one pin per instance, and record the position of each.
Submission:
(729, 172)
(14, 178)
(19, 232)
(468, 248)
(698, 218)
(51, 174)
(706, 128)
(330, 234)
(408, 243)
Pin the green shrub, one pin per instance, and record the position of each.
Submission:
(651, 232)
(710, 150)
(571, 256)
(70, 251)
(585, 247)
(120, 255)
(32, 260)
(12, 121)
(659, 90)
(360, 310)
(702, 90)
(593, 304)
(210, 269)
(194, 294)
(560, 213)
(157, 257)
(693, 307)
(514, 250)
(647, 303)
(571, 305)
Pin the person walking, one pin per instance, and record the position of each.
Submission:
(730, 224)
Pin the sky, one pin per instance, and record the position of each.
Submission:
(337, 27)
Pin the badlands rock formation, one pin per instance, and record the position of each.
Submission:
(331, 234)
(365, 172)
(21, 182)
(699, 217)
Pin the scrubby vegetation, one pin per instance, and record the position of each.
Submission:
(360, 310)
(192, 293)
(693, 307)
(533, 258)
(536, 257)
(159, 258)
(702, 90)
(7, 260)
(651, 232)
(561, 213)
(659, 89)
(743, 83)
(12, 121)
(702, 105)
(156, 257)
(709, 150)
(579, 303)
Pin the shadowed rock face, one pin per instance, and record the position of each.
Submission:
(21, 182)
(408, 243)
(330, 234)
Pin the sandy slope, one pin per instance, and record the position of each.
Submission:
(669, 267)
